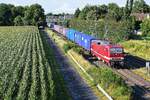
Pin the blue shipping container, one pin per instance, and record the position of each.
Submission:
(86, 41)
(71, 34)
(78, 38)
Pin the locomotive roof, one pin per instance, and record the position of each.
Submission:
(101, 42)
(106, 43)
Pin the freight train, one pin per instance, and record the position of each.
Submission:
(109, 53)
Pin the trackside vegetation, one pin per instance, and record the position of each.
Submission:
(109, 81)
(138, 48)
(25, 71)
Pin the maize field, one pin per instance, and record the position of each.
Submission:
(25, 73)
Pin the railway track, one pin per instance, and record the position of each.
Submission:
(140, 86)
(134, 62)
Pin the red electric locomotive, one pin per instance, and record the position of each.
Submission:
(111, 54)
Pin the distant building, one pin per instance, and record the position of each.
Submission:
(137, 32)
(141, 16)
(55, 18)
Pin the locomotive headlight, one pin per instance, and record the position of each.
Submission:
(111, 58)
(122, 58)
(117, 59)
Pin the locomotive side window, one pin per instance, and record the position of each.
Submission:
(99, 43)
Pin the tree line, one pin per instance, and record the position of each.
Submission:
(112, 10)
(110, 21)
(19, 15)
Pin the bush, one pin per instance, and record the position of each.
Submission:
(106, 77)
(71, 45)
(68, 46)
(145, 27)
(78, 49)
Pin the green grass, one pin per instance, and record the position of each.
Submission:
(140, 48)
(143, 73)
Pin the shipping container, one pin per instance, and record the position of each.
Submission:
(78, 36)
(71, 34)
(64, 31)
(86, 41)
(58, 28)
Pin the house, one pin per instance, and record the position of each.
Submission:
(141, 16)
(61, 17)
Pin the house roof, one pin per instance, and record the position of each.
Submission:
(141, 16)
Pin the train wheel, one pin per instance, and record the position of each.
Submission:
(112, 64)
(122, 64)
(109, 64)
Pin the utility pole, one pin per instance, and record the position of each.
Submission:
(106, 30)
(95, 28)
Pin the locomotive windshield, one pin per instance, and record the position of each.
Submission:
(116, 50)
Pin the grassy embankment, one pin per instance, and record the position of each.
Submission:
(140, 48)
(110, 82)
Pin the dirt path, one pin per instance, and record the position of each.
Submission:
(78, 89)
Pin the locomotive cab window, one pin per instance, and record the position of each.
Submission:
(116, 50)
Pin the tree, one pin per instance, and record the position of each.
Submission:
(84, 12)
(5, 15)
(114, 11)
(91, 15)
(128, 9)
(49, 14)
(102, 11)
(18, 11)
(31, 15)
(28, 16)
(77, 12)
(140, 6)
(119, 33)
(145, 27)
(34, 14)
(18, 21)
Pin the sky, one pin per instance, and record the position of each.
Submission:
(66, 6)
